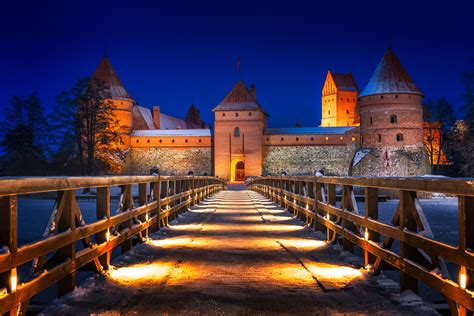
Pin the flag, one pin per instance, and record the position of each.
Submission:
(237, 65)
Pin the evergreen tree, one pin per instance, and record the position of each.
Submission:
(194, 117)
(24, 141)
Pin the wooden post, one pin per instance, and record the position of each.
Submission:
(317, 198)
(466, 240)
(371, 211)
(407, 282)
(347, 206)
(142, 200)
(103, 211)
(8, 238)
(67, 221)
(126, 206)
(331, 188)
(156, 197)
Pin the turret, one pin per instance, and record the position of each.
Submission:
(121, 100)
(391, 113)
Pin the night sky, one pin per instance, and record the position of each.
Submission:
(168, 53)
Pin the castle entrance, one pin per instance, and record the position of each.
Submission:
(237, 170)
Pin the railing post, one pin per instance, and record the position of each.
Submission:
(407, 282)
(103, 211)
(466, 241)
(8, 238)
(347, 206)
(126, 204)
(142, 200)
(331, 189)
(318, 197)
(157, 211)
(372, 212)
(67, 221)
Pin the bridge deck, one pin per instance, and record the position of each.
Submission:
(236, 253)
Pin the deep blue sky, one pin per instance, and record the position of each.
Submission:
(168, 52)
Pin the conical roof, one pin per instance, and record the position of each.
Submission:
(390, 77)
(105, 73)
(239, 99)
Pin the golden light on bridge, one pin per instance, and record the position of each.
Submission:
(140, 272)
(462, 278)
(13, 280)
(170, 242)
(334, 273)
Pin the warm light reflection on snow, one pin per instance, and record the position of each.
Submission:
(335, 273)
(170, 242)
(140, 272)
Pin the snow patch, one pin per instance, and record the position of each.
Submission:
(359, 155)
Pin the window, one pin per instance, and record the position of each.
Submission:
(185, 140)
(148, 141)
(161, 141)
(396, 96)
(353, 139)
(347, 111)
(297, 139)
(236, 132)
(379, 138)
(429, 138)
(327, 138)
(281, 139)
(236, 114)
(393, 119)
(250, 113)
(399, 137)
(329, 112)
(138, 141)
(347, 99)
(381, 97)
(312, 138)
(371, 121)
(172, 140)
(223, 114)
(268, 139)
(341, 138)
(200, 140)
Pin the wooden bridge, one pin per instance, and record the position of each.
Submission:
(285, 245)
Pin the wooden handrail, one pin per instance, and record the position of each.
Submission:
(159, 198)
(314, 200)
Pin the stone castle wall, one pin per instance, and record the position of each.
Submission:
(304, 160)
(170, 161)
(405, 161)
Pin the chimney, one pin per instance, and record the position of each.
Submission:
(156, 116)
(253, 90)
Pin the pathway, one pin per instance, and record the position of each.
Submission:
(237, 253)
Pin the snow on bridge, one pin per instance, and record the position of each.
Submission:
(238, 252)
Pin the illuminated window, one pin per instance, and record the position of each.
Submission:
(393, 119)
(399, 137)
(327, 138)
(236, 131)
(353, 139)
(341, 138)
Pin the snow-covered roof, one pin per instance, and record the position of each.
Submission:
(390, 77)
(171, 122)
(173, 132)
(307, 131)
(147, 116)
(239, 99)
(105, 73)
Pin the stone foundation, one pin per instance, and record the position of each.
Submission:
(170, 161)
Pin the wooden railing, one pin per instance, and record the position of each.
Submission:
(420, 256)
(56, 257)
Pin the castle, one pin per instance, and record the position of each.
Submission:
(375, 132)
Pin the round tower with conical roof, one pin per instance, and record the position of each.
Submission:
(119, 97)
(391, 113)
(391, 122)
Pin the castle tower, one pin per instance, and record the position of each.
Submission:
(391, 112)
(120, 99)
(238, 133)
(339, 99)
(391, 123)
